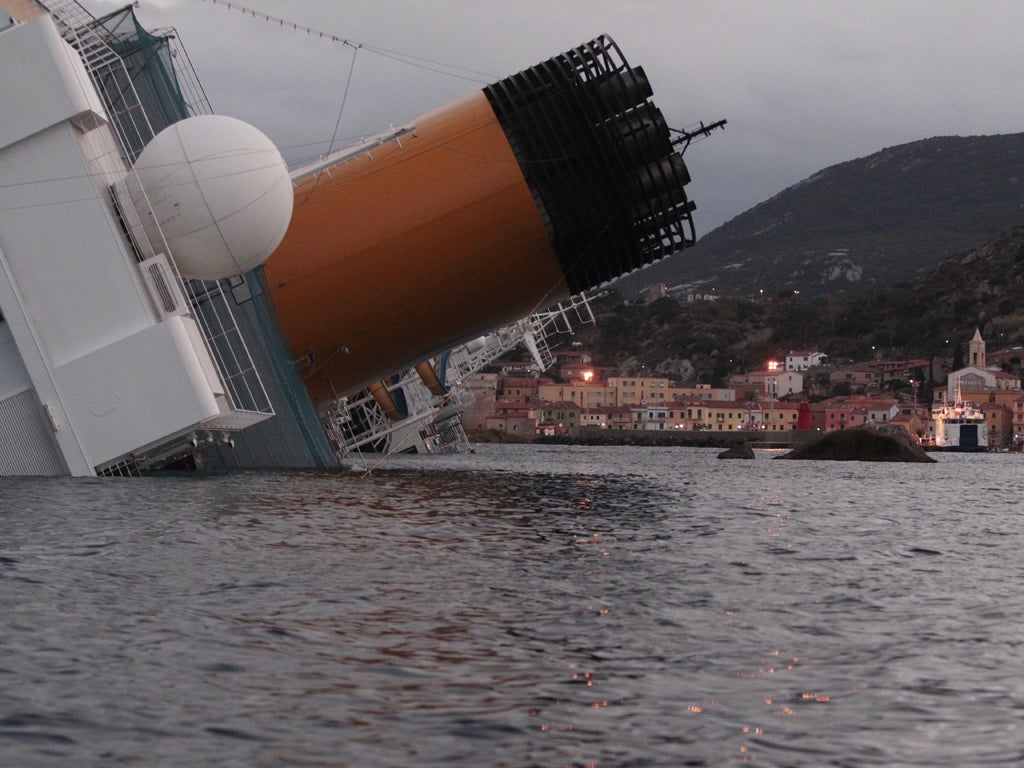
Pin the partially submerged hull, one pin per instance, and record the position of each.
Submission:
(542, 186)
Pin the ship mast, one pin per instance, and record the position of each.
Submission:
(700, 132)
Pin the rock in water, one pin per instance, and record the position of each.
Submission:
(738, 451)
(867, 443)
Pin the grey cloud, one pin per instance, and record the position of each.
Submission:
(804, 84)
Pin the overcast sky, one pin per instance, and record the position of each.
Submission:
(804, 84)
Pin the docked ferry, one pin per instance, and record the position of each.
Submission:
(959, 426)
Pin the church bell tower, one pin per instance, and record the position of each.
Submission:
(977, 350)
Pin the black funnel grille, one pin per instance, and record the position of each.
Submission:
(599, 161)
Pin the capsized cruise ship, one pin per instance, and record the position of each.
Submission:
(172, 294)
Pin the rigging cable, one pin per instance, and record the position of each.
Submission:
(337, 123)
(430, 65)
(344, 98)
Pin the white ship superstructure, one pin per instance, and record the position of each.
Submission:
(104, 363)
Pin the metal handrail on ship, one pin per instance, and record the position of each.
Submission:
(208, 302)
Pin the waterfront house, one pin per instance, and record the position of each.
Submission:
(522, 425)
(586, 395)
(620, 417)
(638, 390)
(700, 392)
(999, 420)
(513, 418)
(484, 387)
(598, 418)
(725, 415)
(779, 416)
(840, 414)
(564, 415)
(1018, 421)
(880, 410)
(522, 388)
(652, 417)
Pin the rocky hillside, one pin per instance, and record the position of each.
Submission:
(861, 225)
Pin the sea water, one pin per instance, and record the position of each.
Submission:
(519, 606)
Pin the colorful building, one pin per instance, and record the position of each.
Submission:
(563, 415)
(638, 390)
(770, 382)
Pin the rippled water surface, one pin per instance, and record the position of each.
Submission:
(520, 606)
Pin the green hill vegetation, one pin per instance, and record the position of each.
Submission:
(933, 316)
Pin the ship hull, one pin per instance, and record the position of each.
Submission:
(960, 436)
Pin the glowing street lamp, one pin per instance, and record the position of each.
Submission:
(773, 366)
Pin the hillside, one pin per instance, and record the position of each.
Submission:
(860, 225)
(935, 315)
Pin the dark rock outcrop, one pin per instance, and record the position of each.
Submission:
(738, 451)
(867, 443)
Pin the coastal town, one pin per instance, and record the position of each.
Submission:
(802, 392)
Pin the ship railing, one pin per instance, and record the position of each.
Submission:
(448, 435)
(224, 340)
(108, 73)
(209, 306)
(113, 81)
(463, 362)
(533, 332)
(190, 88)
(355, 422)
(352, 423)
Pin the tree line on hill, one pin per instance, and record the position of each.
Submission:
(707, 341)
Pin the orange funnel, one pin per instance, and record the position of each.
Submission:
(543, 185)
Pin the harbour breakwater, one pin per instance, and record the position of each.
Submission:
(676, 437)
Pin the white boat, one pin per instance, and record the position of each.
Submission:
(959, 426)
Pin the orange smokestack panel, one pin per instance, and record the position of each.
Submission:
(543, 185)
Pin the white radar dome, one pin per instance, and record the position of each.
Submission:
(217, 190)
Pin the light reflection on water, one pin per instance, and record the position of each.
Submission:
(517, 607)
